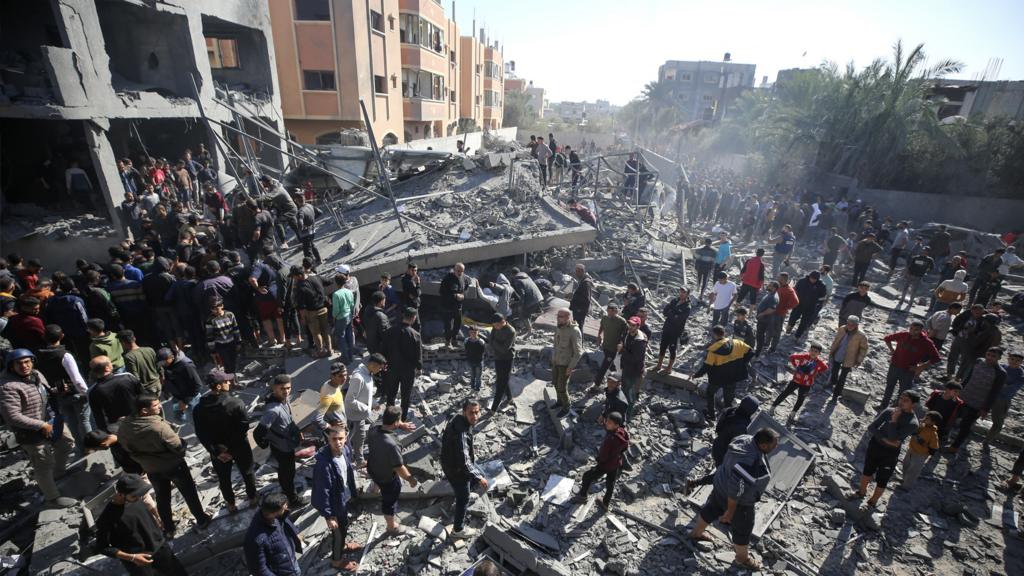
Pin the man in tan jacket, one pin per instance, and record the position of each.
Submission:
(849, 348)
(568, 348)
(151, 442)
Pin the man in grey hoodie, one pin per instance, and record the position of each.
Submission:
(359, 404)
(277, 430)
(739, 482)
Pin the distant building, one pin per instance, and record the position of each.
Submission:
(706, 89)
(582, 112)
(332, 54)
(980, 99)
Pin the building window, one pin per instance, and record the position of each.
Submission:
(318, 79)
(711, 78)
(451, 56)
(416, 30)
(312, 10)
(492, 70)
(453, 95)
(685, 77)
(376, 21)
(707, 98)
(423, 84)
(380, 84)
(492, 98)
(222, 52)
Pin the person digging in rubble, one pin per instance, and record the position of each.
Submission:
(453, 293)
(983, 382)
(334, 485)
(386, 467)
(610, 333)
(676, 313)
(27, 410)
(610, 459)
(567, 349)
(127, 531)
(579, 304)
(734, 421)
(738, 484)
(888, 431)
(529, 296)
(725, 365)
(805, 366)
(222, 427)
(502, 344)
(458, 462)
(633, 350)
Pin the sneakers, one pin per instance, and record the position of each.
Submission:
(61, 502)
(465, 534)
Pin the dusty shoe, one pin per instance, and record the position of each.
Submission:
(465, 534)
(61, 502)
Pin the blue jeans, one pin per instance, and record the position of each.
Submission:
(474, 376)
(77, 418)
(346, 339)
(191, 405)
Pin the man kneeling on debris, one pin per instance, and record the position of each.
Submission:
(739, 482)
(458, 461)
(609, 460)
(126, 530)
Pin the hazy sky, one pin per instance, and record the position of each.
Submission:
(591, 49)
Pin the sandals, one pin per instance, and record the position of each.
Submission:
(352, 547)
(750, 564)
(702, 538)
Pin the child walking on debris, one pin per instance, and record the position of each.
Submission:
(806, 366)
(609, 460)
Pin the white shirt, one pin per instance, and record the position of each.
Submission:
(342, 462)
(1010, 260)
(71, 367)
(723, 294)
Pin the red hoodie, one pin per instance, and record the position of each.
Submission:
(615, 444)
(787, 300)
(753, 272)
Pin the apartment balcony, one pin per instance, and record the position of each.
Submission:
(421, 110)
(416, 56)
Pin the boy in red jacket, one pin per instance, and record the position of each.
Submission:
(805, 368)
(609, 460)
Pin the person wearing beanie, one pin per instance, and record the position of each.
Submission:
(127, 531)
(609, 460)
(888, 431)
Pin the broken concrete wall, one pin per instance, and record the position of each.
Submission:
(997, 215)
(473, 140)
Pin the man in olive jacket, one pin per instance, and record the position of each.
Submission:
(849, 348)
(151, 442)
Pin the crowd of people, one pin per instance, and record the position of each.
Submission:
(93, 354)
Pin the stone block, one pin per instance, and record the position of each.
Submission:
(856, 395)
(432, 527)
(522, 554)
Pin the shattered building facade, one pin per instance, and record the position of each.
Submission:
(89, 82)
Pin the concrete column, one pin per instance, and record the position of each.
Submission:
(105, 165)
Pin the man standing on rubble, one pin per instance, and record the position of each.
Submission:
(723, 294)
(359, 408)
(502, 345)
(566, 352)
(610, 333)
(334, 485)
(676, 313)
(542, 153)
(809, 292)
(277, 430)
(784, 244)
(404, 351)
(739, 482)
(26, 409)
(634, 354)
(888, 431)
(704, 262)
(579, 304)
(453, 293)
(222, 427)
(151, 442)
(386, 467)
(982, 384)
(411, 287)
(766, 318)
(726, 365)
(911, 353)
(458, 462)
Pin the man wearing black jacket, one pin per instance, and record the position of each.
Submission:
(676, 313)
(411, 287)
(127, 531)
(375, 324)
(809, 289)
(181, 380)
(579, 305)
(614, 398)
(458, 462)
(453, 294)
(112, 396)
(222, 427)
(311, 302)
(404, 351)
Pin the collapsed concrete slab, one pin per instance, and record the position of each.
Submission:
(522, 556)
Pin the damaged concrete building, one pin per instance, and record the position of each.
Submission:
(84, 83)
